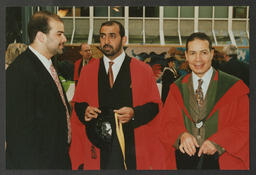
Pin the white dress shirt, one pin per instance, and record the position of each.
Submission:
(206, 80)
(118, 61)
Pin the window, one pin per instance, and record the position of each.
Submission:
(171, 11)
(205, 11)
(187, 12)
(85, 11)
(239, 12)
(152, 12)
(100, 11)
(117, 11)
(136, 11)
(221, 12)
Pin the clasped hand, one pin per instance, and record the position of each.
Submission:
(124, 114)
(188, 144)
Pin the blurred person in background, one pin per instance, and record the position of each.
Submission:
(13, 50)
(233, 66)
(86, 53)
(170, 74)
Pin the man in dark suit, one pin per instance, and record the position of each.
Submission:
(37, 111)
(170, 74)
(233, 66)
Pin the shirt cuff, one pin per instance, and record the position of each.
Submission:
(219, 148)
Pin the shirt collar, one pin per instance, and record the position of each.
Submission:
(206, 80)
(118, 61)
(46, 62)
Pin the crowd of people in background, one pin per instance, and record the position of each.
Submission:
(70, 69)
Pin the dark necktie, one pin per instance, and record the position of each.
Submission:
(199, 93)
(57, 82)
(110, 74)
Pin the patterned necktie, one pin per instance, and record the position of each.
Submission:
(110, 74)
(199, 93)
(57, 82)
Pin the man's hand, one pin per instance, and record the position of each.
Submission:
(188, 144)
(124, 114)
(90, 113)
(207, 148)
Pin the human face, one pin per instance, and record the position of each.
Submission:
(171, 64)
(86, 51)
(111, 42)
(55, 38)
(199, 57)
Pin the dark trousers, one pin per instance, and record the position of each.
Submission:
(184, 161)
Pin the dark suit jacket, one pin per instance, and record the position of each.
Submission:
(167, 79)
(236, 68)
(36, 123)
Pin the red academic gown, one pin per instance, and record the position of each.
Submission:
(233, 125)
(144, 89)
(76, 68)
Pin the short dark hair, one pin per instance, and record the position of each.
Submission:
(201, 36)
(110, 23)
(40, 22)
(171, 59)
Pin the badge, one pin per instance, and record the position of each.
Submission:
(199, 125)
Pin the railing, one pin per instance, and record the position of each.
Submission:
(226, 31)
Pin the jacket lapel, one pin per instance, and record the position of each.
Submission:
(46, 78)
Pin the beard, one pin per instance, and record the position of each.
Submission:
(60, 50)
(57, 50)
(111, 52)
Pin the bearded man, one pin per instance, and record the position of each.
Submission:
(38, 130)
(125, 89)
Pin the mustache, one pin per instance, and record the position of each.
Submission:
(101, 48)
(107, 45)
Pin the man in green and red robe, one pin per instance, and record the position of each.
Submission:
(215, 123)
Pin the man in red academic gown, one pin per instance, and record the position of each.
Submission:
(215, 123)
(131, 93)
(86, 53)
